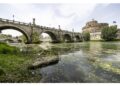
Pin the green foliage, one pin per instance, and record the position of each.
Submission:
(1, 71)
(109, 33)
(5, 36)
(22, 38)
(35, 38)
(6, 49)
(13, 68)
(86, 36)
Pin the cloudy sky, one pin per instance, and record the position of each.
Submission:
(68, 16)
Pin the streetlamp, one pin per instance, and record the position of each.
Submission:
(59, 30)
(13, 17)
(73, 34)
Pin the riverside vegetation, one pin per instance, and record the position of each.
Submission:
(14, 63)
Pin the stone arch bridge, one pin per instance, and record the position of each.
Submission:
(28, 29)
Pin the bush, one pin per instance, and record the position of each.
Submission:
(1, 71)
(6, 49)
(35, 38)
(86, 36)
(109, 33)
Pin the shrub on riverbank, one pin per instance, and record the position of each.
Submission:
(6, 49)
(86, 36)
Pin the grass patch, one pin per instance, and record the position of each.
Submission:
(6, 49)
(13, 68)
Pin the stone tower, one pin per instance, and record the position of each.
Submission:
(93, 26)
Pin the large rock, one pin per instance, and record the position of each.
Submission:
(43, 62)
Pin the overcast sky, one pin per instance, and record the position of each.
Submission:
(68, 16)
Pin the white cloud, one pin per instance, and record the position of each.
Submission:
(77, 9)
(48, 15)
(78, 12)
(66, 15)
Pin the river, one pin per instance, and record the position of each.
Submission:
(87, 62)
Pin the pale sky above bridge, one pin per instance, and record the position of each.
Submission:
(69, 16)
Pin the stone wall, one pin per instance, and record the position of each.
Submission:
(94, 26)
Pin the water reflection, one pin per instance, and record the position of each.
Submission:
(75, 66)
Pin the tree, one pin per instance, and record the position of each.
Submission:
(23, 38)
(86, 36)
(109, 33)
(35, 37)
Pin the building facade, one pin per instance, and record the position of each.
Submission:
(93, 26)
(95, 36)
(118, 34)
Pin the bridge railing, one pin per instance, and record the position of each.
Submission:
(27, 24)
(47, 28)
(52, 28)
(12, 21)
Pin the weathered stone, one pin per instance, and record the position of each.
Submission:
(43, 62)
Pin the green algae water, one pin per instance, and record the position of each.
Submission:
(85, 62)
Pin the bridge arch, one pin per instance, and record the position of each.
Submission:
(77, 38)
(52, 36)
(67, 38)
(16, 28)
